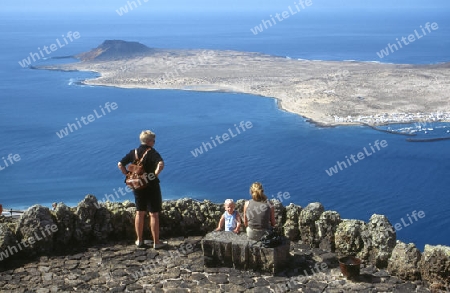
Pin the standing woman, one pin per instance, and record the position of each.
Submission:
(148, 199)
(259, 214)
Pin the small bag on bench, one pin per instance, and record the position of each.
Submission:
(271, 239)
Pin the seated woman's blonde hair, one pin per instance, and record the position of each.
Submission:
(257, 192)
(146, 136)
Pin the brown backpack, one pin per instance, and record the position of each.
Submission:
(136, 176)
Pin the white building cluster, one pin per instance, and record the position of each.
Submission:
(387, 118)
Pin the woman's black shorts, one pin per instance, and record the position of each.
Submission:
(149, 199)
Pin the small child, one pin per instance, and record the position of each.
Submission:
(231, 218)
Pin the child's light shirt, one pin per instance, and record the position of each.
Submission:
(230, 221)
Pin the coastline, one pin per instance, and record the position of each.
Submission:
(326, 93)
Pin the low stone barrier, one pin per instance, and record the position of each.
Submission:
(228, 249)
(40, 231)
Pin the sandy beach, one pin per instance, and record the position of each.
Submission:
(327, 92)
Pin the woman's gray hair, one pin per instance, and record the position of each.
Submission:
(146, 136)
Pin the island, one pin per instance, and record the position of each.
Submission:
(325, 92)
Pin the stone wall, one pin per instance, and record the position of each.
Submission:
(41, 231)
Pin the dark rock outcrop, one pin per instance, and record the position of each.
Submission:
(372, 242)
(34, 231)
(121, 218)
(381, 240)
(349, 237)
(115, 49)
(435, 266)
(280, 213)
(7, 240)
(307, 222)
(65, 220)
(404, 261)
(87, 213)
(291, 229)
(189, 217)
(326, 227)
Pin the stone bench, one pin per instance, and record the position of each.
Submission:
(227, 249)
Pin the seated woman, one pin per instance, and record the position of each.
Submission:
(259, 214)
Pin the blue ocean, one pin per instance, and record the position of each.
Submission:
(282, 150)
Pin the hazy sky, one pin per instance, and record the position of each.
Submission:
(184, 5)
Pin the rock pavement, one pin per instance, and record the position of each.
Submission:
(122, 267)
